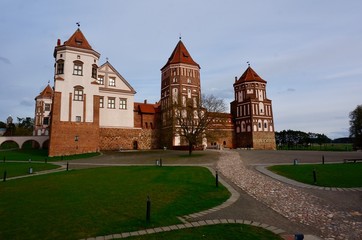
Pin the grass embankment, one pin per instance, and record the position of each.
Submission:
(345, 175)
(38, 155)
(102, 201)
(18, 169)
(214, 232)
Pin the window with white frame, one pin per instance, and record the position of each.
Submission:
(101, 102)
(100, 79)
(122, 103)
(112, 82)
(111, 102)
(78, 93)
(47, 107)
(78, 68)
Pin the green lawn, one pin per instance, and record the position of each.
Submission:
(214, 232)
(22, 168)
(328, 175)
(102, 201)
(38, 155)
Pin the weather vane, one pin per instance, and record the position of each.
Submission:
(248, 63)
(180, 36)
(78, 24)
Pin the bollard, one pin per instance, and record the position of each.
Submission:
(322, 159)
(148, 210)
(295, 161)
(30, 170)
(67, 166)
(4, 179)
(314, 176)
(217, 179)
(29, 160)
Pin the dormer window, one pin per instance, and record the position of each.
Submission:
(78, 42)
(78, 68)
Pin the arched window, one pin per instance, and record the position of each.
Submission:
(60, 66)
(94, 71)
(78, 93)
(78, 68)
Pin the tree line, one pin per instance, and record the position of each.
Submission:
(24, 127)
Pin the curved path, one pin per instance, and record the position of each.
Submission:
(297, 205)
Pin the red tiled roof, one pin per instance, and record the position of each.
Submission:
(146, 107)
(46, 93)
(250, 75)
(181, 55)
(78, 40)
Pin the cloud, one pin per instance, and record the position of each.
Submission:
(285, 91)
(5, 60)
(27, 102)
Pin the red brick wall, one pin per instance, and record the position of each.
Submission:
(63, 133)
(118, 138)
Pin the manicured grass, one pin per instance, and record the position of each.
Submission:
(214, 232)
(102, 201)
(22, 168)
(328, 175)
(38, 155)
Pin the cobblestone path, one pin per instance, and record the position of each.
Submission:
(293, 203)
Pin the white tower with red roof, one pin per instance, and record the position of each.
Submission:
(252, 112)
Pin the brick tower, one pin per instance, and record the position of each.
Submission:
(180, 83)
(252, 112)
(75, 112)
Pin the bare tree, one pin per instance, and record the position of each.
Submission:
(193, 118)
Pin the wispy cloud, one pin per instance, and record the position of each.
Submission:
(5, 60)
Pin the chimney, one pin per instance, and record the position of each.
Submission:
(236, 78)
(58, 42)
(145, 102)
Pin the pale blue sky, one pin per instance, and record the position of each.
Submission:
(310, 51)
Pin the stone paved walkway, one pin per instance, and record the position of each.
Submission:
(294, 204)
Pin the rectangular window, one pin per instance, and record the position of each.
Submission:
(78, 118)
(78, 69)
(46, 121)
(101, 102)
(94, 71)
(47, 107)
(122, 103)
(100, 79)
(60, 67)
(78, 94)
(112, 82)
(111, 102)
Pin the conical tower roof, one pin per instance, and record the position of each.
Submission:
(46, 93)
(250, 76)
(78, 40)
(181, 55)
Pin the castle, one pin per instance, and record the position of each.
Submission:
(91, 107)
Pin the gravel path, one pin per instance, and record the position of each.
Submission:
(293, 203)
